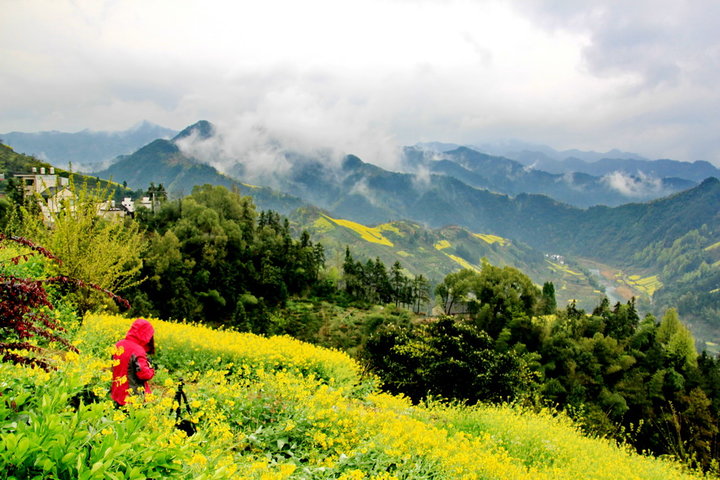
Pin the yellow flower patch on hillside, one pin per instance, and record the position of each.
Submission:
(713, 246)
(464, 263)
(648, 284)
(442, 244)
(492, 239)
(563, 268)
(183, 345)
(322, 225)
(389, 227)
(369, 234)
(263, 418)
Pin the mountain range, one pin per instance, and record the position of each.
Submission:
(368, 194)
(162, 162)
(86, 150)
(577, 188)
(441, 210)
(541, 157)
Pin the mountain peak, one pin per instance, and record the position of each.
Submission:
(351, 162)
(203, 129)
(710, 182)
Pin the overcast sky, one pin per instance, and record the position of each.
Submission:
(363, 76)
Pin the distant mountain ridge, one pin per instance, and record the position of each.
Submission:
(87, 149)
(369, 194)
(452, 209)
(508, 176)
(541, 157)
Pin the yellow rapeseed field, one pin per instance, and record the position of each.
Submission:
(274, 409)
(287, 420)
(492, 238)
(196, 347)
(369, 234)
(442, 244)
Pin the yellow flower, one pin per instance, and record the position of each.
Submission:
(198, 459)
(287, 469)
(353, 475)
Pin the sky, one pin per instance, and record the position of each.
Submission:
(365, 77)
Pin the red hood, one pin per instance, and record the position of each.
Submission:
(141, 331)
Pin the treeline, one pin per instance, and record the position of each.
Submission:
(211, 257)
(372, 283)
(635, 379)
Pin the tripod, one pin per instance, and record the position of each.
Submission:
(184, 424)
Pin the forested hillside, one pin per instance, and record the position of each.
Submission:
(494, 336)
(435, 253)
(363, 193)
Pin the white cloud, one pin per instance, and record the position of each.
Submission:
(364, 77)
(633, 186)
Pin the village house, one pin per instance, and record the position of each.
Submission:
(53, 191)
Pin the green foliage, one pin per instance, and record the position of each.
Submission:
(51, 430)
(637, 380)
(446, 358)
(346, 328)
(212, 258)
(549, 304)
(676, 338)
(690, 275)
(372, 284)
(102, 252)
(493, 297)
(32, 317)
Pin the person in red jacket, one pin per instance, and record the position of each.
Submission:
(131, 369)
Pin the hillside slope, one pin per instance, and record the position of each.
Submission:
(434, 253)
(261, 415)
(364, 193)
(12, 163)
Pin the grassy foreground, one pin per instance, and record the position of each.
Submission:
(271, 409)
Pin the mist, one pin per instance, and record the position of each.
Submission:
(639, 185)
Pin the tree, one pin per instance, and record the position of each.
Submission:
(549, 304)
(102, 252)
(448, 358)
(24, 310)
(677, 339)
(502, 294)
(420, 292)
(624, 320)
(397, 283)
(492, 296)
(454, 289)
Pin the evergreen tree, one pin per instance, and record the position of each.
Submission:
(549, 304)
